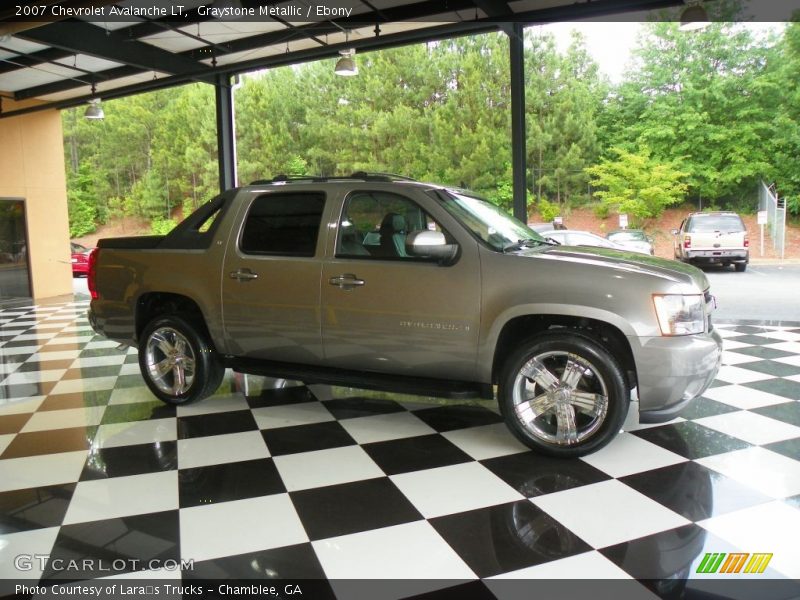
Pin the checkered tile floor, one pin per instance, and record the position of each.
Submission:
(317, 482)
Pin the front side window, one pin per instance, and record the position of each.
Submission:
(283, 224)
(376, 224)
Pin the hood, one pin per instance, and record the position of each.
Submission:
(631, 262)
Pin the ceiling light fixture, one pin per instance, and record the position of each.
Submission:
(346, 65)
(94, 111)
(693, 17)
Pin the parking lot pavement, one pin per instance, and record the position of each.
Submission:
(764, 293)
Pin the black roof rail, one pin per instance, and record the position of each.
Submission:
(359, 175)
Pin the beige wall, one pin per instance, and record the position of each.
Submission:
(32, 167)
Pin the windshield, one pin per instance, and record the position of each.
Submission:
(715, 223)
(627, 236)
(495, 227)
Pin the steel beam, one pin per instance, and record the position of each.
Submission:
(518, 152)
(226, 143)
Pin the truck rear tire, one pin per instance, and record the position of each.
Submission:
(178, 361)
(563, 394)
(740, 267)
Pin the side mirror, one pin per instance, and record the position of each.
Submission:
(430, 244)
(674, 232)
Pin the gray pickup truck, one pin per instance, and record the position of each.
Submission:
(379, 282)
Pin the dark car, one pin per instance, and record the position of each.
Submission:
(80, 259)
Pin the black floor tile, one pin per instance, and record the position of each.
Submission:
(351, 408)
(216, 424)
(756, 340)
(289, 562)
(129, 381)
(771, 367)
(788, 412)
(532, 474)
(34, 508)
(75, 400)
(472, 590)
(761, 352)
(37, 443)
(229, 481)
(694, 491)
(352, 507)
(43, 365)
(292, 395)
(691, 440)
(793, 501)
(705, 407)
(781, 387)
(507, 537)
(122, 461)
(448, 418)
(13, 423)
(131, 359)
(415, 453)
(137, 411)
(790, 448)
(91, 372)
(114, 546)
(24, 390)
(306, 438)
(645, 558)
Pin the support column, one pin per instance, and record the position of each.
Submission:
(518, 152)
(226, 153)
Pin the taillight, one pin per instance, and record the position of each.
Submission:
(90, 278)
(746, 242)
(687, 242)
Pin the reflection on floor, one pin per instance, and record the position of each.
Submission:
(321, 483)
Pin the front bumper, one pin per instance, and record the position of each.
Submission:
(672, 371)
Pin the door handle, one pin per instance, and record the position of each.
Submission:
(244, 275)
(347, 281)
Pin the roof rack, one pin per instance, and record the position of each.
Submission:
(358, 175)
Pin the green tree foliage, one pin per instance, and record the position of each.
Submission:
(81, 202)
(638, 185)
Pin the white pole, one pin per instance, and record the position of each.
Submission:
(762, 239)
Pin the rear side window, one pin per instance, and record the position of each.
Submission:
(283, 224)
(724, 223)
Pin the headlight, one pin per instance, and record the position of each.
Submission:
(680, 315)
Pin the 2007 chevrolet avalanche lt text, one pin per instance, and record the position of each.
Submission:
(379, 282)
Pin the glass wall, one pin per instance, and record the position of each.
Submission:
(14, 267)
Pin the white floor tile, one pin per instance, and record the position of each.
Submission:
(287, 415)
(129, 369)
(770, 473)
(793, 347)
(751, 427)
(381, 428)
(589, 565)
(123, 496)
(8, 367)
(488, 441)
(739, 375)
(453, 489)
(94, 384)
(218, 403)
(102, 344)
(793, 378)
(785, 335)
(16, 406)
(39, 471)
(240, 526)
(732, 344)
(326, 467)
(607, 513)
(743, 397)
(219, 449)
(139, 432)
(628, 454)
(61, 419)
(55, 355)
(133, 395)
(16, 350)
(726, 332)
(33, 376)
(734, 358)
(773, 527)
(5, 440)
(787, 360)
(18, 553)
(410, 551)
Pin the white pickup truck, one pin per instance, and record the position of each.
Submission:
(713, 238)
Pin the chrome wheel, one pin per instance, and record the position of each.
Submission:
(169, 361)
(560, 397)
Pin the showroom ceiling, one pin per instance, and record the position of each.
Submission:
(59, 58)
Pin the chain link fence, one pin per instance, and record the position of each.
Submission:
(776, 216)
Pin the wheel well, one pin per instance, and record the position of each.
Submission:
(521, 328)
(156, 304)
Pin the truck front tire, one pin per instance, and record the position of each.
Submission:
(563, 394)
(178, 361)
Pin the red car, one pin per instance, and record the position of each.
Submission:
(80, 259)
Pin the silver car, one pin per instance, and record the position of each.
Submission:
(635, 240)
